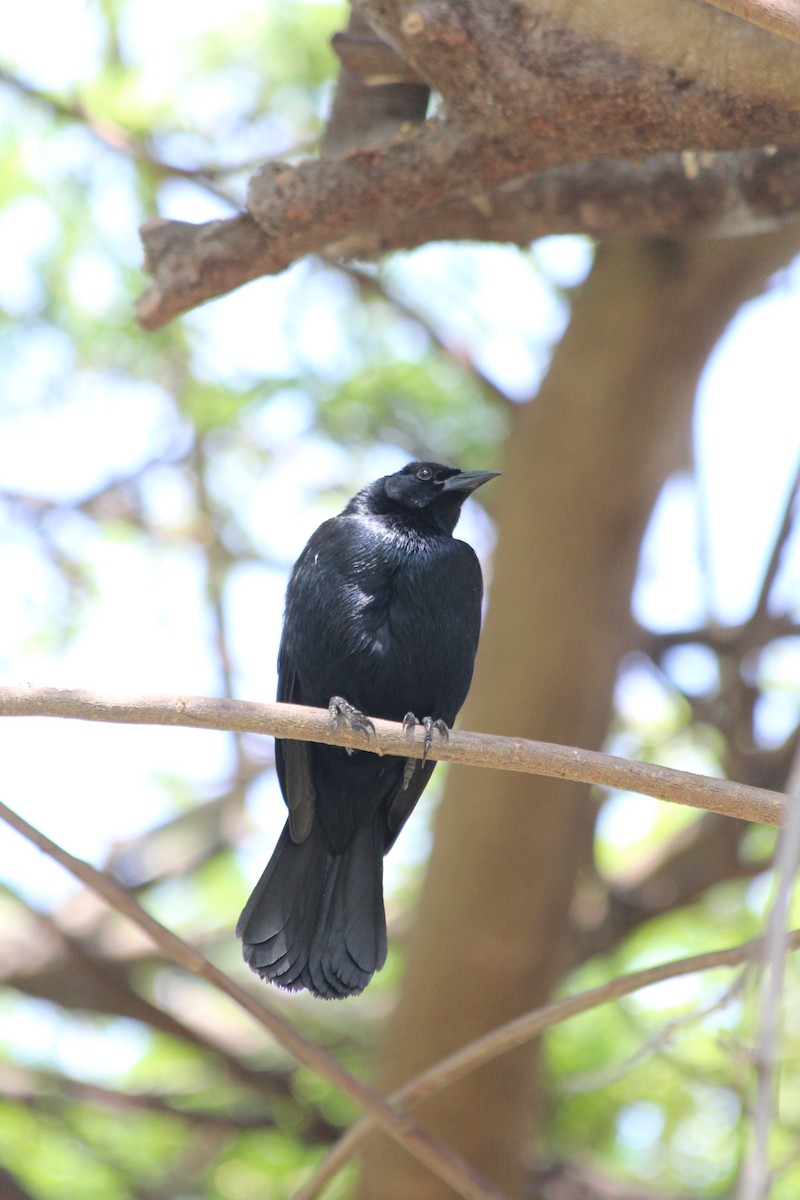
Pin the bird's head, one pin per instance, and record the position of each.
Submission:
(428, 490)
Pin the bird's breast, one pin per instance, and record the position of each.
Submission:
(412, 629)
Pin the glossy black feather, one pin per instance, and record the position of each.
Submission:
(383, 608)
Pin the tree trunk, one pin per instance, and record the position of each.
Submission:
(583, 468)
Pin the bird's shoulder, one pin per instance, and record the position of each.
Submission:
(357, 540)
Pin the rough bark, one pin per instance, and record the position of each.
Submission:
(584, 466)
(529, 88)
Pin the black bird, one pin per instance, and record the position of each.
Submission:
(382, 616)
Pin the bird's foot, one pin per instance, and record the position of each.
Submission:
(339, 710)
(428, 724)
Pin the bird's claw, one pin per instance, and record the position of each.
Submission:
(428, 724)
(339, 709)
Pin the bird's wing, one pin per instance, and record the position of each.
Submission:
(319, 633)
(293, 760)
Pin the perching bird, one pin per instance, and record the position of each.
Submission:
(382, 617)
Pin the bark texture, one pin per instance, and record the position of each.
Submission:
(584, 467)
(551, 107)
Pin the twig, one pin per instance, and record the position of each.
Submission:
(49, 1090)
(781, 17)
(657, 1043)
(131, 145)
(516, 1033)
(755, 1180)
(473, 749)
(417, 1140)
(370, 285)
(761, 610)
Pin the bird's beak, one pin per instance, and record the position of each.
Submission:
(468, 481)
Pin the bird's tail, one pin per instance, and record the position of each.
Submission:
(315, 919)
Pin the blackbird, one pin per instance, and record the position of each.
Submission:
(382, 617)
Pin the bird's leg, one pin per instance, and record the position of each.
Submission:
(339, 709)
(428, 724)
(409, 724)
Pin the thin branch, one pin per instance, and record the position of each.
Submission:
(722, 639)
(520, 1031)
(428, 1149)
(755, 1181)
(103, 986)
(658, 1043)
(133, 146)
(700, 856)
(11, 1188)
(473, 749)
(781, 17)
(50, 1092)
(370, 285)
(761, 610)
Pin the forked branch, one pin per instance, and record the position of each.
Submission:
(417, 1140)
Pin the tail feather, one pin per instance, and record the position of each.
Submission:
(315, 919)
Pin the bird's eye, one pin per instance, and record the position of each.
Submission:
(425, 473)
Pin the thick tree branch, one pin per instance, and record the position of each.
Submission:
(423, 1145)
(367, 56)
(377, 93)
(781, 17)
(194, 263)
(524, 1029)
(666, 195)
(510, 114)
(575, 66)
(473, 749)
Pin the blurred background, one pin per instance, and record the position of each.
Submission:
(642, 567)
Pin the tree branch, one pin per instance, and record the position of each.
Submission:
(755, 1178)
(521, 1030)
(782, 535)
(124, 141)
(417, 1140)
(509, 115)
(666, 195)
(370, 285)
(377, 94)
(697, 858)
(781, 17)
(76, 976)
(473, 749)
